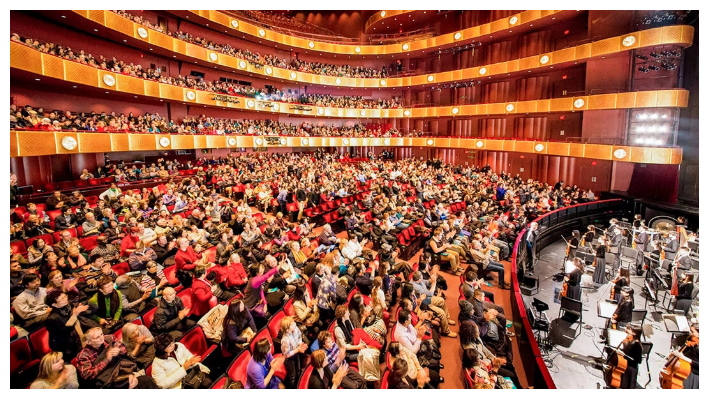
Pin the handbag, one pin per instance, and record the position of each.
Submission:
(194, 378)
(368, 362)
(248, 333)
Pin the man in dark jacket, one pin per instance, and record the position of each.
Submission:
(171, 315)
(66, 220)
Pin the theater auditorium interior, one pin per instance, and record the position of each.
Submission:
(367, 199)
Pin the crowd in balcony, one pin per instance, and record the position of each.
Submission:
(318, 68)
(202, 243)
(195, 82)
(268, 19)
(37, 118)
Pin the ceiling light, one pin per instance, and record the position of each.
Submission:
(639, 140)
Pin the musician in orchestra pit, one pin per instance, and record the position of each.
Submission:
(682, 230)
(624, 312)
(637, 222)
(682, 259)
(633, 351)
(589, 236)
(691, 352)
(599, 273)
(671, 247)
(641, 240)
(574, 244)
(615, 241)
(530, 240)
(684, 295)
(622, 279)
(574, 280)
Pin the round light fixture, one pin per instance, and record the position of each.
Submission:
(629, 41)
(259, 141)
(242, 64)
(457, 35)
(455, 110)
(383, 82)
(362, 113)
(539, 147)
(513, 20)
(510, 107)
(261, 32)
(429, 142)
(338, 81)
(405, 46)
(293, 75)
(579, 103)
(109, 80)
(482, 71)
(357, 49)
(69, 143)
(321, 111)
(479, 144)
(250, 103)
(282, 141)
(269, 70)
(213, 56)
(191, 95)
(620, 153)
(275, 107)
(430, 78)
(231, 141)
(234, 23)
(544, 59)
(383, 14)
(345, 142)
(311, 45)
(303, 141)
(407, 112)
(164, 142)
(142, 32)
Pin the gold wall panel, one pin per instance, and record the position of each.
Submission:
(59, 136)
(666, 98)
(212, 141)
(676, 156)
(131, 84)
(95, 15)
(180, 142)
(542, 150)
(605, 46)
(120, 142)
(624, 100)
(583, 51)
(524, 146)
(577, 150)
(529, 63)
(79, 73)
(645, 99)
(119, 23)
(245, 141)
(26, 58)
(94, 142)
(507, 145)
(52, 67)
(602, 101)
(102, 84)
(649, 37)
(661, 155)
(527, 107)
(671, 35)
(36, 143)
(561, 104)
(564, 55)
(598, 151)
(561, 149)
(13, 144)
(143, 142)
(199, 141)
(641, 154)
(162, 40)
(495, 145)
(171, 92)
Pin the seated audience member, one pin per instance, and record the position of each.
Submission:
(171, 315)
(435, 303)
(66, 220)
(141, 256)
(306, 313)
(55, 374)
(470, 338)
(97, 269)
(133, 297)
(91, 227)
(238, 328)
(29, 305)
(107, 251)
(415, 370)
(16, 276)
(128, 243)
(322, 376)
(57, 201)
(173, 362)
(98, 364)
(262, 367)
(336, 357)
(399, 377)
(292, 348)
(153, 281)
(203, 298)
(411, 338)
(63, 325)
(139, 344)
(107, 305)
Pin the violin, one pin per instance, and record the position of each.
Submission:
(564, 289)
(677, 368)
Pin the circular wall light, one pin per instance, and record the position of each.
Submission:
(293, 75)
(282, 141)
(213, 56)
(109, 80)
(242, 64)
(261, 32)
(620, 153)
(250, 103)
(579, 103)
(457, 36)
(321, 111)
(383, 82)
(407, 112)
(429, 142)
(231, 141)
(338, 81)
(234, 23)
(69, 143)
(357, 49)
(259, 141)
(482, 71)
(539, 147)
(303, 141)
(269, 70)
(383, 14)
(430, 78)
(405, 46)
(164, 142)
(629, 40)
(510, 107)
(142, 32)
(191, 95)
(311, 45)
(275, 107)
(479, 144)
(387, 141)
(362, 113)
(544, 59)
(455, 110)
(345, 142)
(513, 20)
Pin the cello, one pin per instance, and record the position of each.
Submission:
(617, 364)
(677, 368)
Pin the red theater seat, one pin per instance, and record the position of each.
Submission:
(195, 341)
(40, 343)
(236, 371)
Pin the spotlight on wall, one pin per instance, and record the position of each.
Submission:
(653, 68)
(655, 55)
(643, 70)
(642, 57)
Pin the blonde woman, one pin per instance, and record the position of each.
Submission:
(54, 374)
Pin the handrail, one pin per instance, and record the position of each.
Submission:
(516, 297)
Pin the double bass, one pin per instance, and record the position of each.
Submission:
(677, 368)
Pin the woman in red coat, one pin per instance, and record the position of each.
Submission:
(202, 297)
